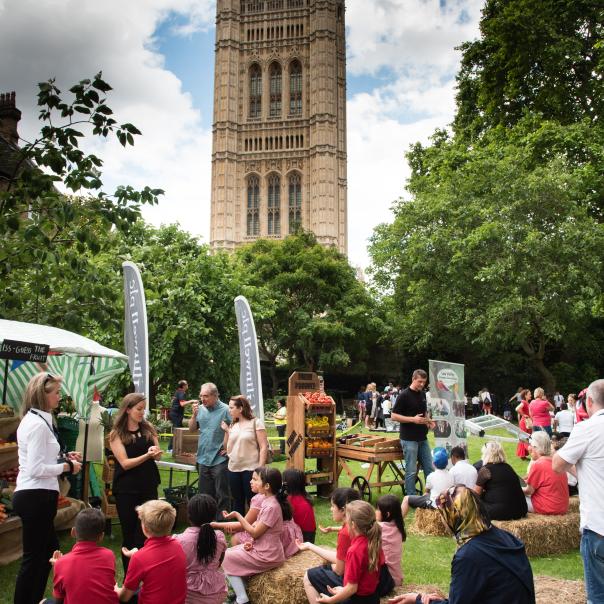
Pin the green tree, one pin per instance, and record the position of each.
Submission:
(537, 56)
(309, 308)
(53, 212)
(497, 247)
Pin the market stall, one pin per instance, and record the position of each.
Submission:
(86, 368)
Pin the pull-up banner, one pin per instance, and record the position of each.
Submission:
(447, 404)
(250, 382)
(135, 328)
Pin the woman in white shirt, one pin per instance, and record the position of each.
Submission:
(41, 462)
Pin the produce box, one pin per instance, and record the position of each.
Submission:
(109, 509)
(108, 469)
(9, 456)
(8, 426)
(186, 458)
(185, 441)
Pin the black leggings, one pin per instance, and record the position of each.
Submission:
(132, 533)
(37, 509)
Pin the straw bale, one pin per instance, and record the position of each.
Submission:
(429, 522)
(283, 585)
(545, 535)
(549, 589)
(573, 503)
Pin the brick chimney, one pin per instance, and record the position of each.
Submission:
(9, 117)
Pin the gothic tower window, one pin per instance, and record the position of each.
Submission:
(295, 88)
(275, 87)
(253, 206)
(295, 202)
(274, 205)
(255, 90)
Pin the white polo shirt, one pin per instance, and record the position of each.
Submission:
(464, 473)
(585, 449)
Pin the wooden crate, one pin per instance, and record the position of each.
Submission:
(108, 471)
(185, 441)
(9, 457)
(190, 458)
(109, 509)
(8, 425)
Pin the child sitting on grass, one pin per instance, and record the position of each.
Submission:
(72, 584)
(160, 565)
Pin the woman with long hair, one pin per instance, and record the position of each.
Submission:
(246, 445)
(42, 459)
(135, 446)
(204, 549)
(524, 422)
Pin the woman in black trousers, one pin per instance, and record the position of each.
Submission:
(135, 445)
(41, 461)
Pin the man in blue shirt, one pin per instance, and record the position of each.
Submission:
(211, 458)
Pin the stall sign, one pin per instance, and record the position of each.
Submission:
(24, 351)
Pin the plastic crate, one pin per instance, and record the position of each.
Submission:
(180, 494)
(68, 431)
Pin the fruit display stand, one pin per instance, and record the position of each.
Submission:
(379, 452)
(311, 431)
(184, 446)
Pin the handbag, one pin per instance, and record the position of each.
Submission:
(270, 453)
(528, 423)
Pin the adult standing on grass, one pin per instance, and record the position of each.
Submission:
(177, 410)
(281, 423)
(41, 462)
(524, 422)
(135, 445)
(583, 453)
(411, 411)
(539, 411)
(211, 454)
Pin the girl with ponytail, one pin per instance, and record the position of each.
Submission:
(363, 559)
(204, 549)
(265, 550)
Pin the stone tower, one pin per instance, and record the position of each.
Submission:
(279, 135)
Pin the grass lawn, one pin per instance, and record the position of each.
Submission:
(425, 559)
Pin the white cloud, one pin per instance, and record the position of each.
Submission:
(73, 39)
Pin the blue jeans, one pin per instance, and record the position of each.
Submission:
(412, 451)
(592, 552)
(547, 429)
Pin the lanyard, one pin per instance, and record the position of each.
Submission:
(52, 429)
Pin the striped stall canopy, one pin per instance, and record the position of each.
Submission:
(82, 363)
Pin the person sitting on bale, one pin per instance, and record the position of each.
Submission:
(546, 492)
(490, 565)
(499, 486)
(436, 482)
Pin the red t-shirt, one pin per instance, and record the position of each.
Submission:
(551, 489)
(304, 515)
(161, 566)
(356, 569)
(343, 543)
(539, 411)
(73, 582)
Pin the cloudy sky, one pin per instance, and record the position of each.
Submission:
(158, 56)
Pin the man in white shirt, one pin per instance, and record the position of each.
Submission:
(463, 472)
(558, 400)
(584, 454)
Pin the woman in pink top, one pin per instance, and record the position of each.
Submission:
(539, 411)
(388, 513)
(204, 550)
(266, 550)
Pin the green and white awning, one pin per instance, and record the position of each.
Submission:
(83, 364)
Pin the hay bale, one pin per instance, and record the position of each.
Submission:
(283, 585)
(573, 503)
(545, 535)
(429, 522)
(549, 589)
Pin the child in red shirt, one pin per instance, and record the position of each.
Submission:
(304, 515)
(317, 579)
(363, 559)
(73, 586)
(160, 565)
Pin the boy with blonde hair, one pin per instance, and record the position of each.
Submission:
(160, 565)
